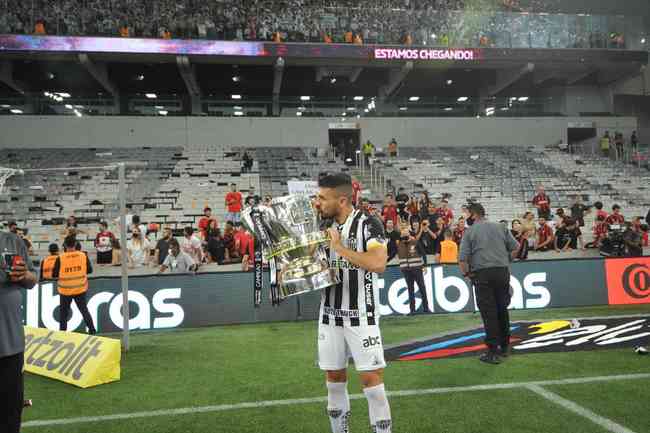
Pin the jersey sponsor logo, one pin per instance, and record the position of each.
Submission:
(340, 313)
(368, 287)
(628, 280)
(371, 342)
(341, 263)
(534, 337)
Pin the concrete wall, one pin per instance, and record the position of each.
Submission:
(96, 131)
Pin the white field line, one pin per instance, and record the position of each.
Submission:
(571, 406)
(291, 402)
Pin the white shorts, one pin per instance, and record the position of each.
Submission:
(337, 343)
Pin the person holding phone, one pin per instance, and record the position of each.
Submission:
(16, 274)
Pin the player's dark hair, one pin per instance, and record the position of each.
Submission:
(70, 242)
(598, 205)
(476, 208)
(340, 181)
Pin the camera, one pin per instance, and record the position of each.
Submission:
(613, 245)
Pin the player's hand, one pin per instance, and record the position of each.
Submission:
(335, 238)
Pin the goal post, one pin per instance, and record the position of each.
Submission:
(6, 173)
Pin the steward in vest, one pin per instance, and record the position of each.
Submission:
(448, 253)
(47, 266)
(412, 259)
(367, 149)
(71, 270)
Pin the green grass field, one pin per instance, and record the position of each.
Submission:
(257, 363)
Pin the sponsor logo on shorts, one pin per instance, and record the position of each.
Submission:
(371, 342)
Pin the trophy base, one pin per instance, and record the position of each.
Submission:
(311, 283)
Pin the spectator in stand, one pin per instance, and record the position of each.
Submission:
(233, 204)
(560, 218)
(605, 143)
(356, 191)
(543, 203)
(104, 245)
(618, 144)
(216, 247)
(616, 217)
(71, 228)
(645, 239)
(568, 237)
(599, 210)
(246, 249)
(459, 230)
(205, 222)
(402, 200)
(529, 228)
(191, 245)
(252, 199)
(520, 235)
(632, 239)
(445, 213)
(600, 232)
(135, 222)
(392, 148)
(634, 142)
(138, 248)
(423, 205)
(229, 240)
(447, 250)
(578, 210)
(389, 211)
(162, 247)
(267, 200)
(247, 162)
(545, 236)
(117, 253)
(392, 235)
(412, 209)
(177, 261)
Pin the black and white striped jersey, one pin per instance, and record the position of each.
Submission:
(354, 301)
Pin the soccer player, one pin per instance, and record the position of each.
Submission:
(349, 313)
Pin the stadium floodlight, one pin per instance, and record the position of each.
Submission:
(159, 107)
(5, 106)
(237, 107)
(151, 95)
(414, 98)
(434, 36)
(344, 114)
(163, 112)
(463, 99)
(643, 40)
(358, 98)
(350, 108)
(16, 111)
(523, 99)
(448, 108)
(305, 98)
(299, 113)
(450, 82)
(46, 93)
(78, 106)
(77, 113)
(302, 108)
(235, 96)
(365, 110)
(505, 108)
(333, 80)
(236, 78)
(358, 116)
(64, 94)
(403, 108)
(68, 106)
(239, 113)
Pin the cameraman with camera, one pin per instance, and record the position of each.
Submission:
(632, 241)
(15, 275)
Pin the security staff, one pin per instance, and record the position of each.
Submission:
(15, 276)
(47, 266)
(485, 254)
(71, 269)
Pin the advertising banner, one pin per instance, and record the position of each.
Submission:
(78, 359)
(173, 301)
(628, 280)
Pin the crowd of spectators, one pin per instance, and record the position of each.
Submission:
(428, 22)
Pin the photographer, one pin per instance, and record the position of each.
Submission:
(632, 240)
(15, 275)
(412, 260)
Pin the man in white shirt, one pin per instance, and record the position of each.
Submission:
(177, 261)
(191, 245)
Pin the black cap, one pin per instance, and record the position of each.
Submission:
(53, 248)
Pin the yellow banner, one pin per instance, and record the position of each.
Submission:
(79, 359)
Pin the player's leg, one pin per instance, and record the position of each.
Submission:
(333, 359)
(368, 353)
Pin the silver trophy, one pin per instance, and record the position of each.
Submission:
(289, 233)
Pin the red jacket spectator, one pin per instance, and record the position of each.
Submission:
(600, 232)
(204, 223)
(445, 213)
(544, 236)
(389, 212)
(459, 231)
(615, 218)
(542, 202)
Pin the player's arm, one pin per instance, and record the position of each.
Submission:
(373, 260)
